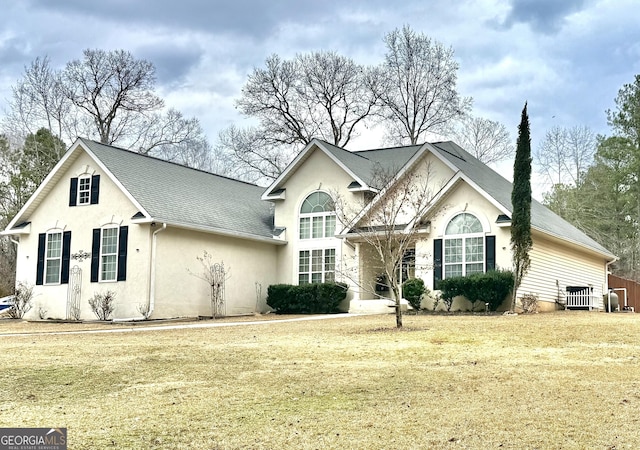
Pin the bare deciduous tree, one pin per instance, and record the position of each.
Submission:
(487, 140)
(107, 96)
(254, 158)
(389, 224)
(565, 154)
(114, 89)
(315, 95)
(418, 87)
(38, 101)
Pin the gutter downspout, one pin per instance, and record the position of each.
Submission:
(152, 279)
(152, 270)
(17, 244)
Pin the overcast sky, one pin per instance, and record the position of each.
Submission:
(567, 58)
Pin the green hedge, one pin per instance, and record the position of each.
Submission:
(316, 298)
(412, 290)
(491, 287)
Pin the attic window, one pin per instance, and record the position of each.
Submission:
(84, 190)
(503, 218)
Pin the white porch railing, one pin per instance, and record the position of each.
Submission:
(582, 298)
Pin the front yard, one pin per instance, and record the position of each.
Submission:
(557, 380)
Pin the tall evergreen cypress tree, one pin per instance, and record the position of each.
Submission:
(521, 241)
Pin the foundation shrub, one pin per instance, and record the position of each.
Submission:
(412, 291)
(491, 287)
(103, 304)
(316, 298)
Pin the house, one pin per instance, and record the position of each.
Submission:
(107, 219)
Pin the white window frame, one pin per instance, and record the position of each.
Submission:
(464, 239)
(316, 233)
(103, 255)
(86, 200)
(51, 259)
(326, 272)
(308, 221)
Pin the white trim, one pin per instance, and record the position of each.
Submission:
(115, 180)
(111, 220)
(48, 233)
(213, 230)
(417, 155)
(62, 165)
(464, 236)
(304, 154)
(101, 254)
(323, 272)
(486, 226)
(311, 215)
(88, 191)
(87, 170)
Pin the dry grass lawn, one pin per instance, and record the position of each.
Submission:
(568, 380)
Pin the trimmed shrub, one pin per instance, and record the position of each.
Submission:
(491, 287)
(412, 290)
(316, 298)
(278, 296)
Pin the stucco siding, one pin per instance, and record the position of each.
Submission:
(463, 198)
(318, 173)
(250, 268)
(54, 213)
(555, 265)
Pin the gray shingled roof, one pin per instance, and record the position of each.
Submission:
(365, 163)
(180, 195)
(500, 188)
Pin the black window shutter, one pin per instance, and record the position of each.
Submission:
(490, 253)
(66, 257)
(437, 262)
(95, 255)
(73, 192)
(42, 243)
(95, 189)
(122, 253)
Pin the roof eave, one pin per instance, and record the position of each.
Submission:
(299, 159)
(213, 230)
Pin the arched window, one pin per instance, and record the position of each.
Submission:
(317, 255)
(317, 217)
(463, 246)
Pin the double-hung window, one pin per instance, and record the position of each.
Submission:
(84, 190)
(53, 258)
(317, 228)
(109, 253)
(464, 252)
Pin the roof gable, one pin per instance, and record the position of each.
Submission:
(167, 192)
(497, 190)
(360, 165)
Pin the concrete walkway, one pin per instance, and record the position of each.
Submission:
(140, 328)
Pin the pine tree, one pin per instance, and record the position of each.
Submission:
(521, 242)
